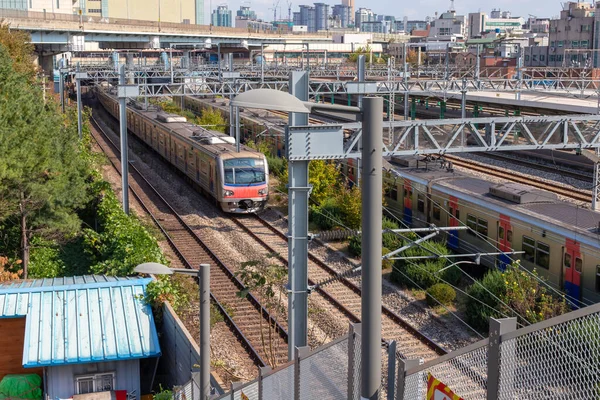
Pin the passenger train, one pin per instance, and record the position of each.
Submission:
(238, 181)
(559, 239)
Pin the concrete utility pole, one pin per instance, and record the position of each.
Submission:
(371, 244)
(124, 147)
(298, 193)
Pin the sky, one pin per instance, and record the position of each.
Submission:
(399, 8)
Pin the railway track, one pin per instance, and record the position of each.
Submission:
(542, 166)
(342, 293)
(576, 194)
(192, 251)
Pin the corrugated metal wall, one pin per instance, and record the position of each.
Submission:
(61, 379)
(180, 351)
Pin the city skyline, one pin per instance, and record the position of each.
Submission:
(417, 11)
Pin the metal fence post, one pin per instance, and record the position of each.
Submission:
(391, 370)
(299, 354)
(403, 366)
(352, 332)
(498, 327)
(261, 372)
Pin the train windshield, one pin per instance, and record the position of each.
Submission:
(244, 171)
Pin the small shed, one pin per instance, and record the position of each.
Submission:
(81, 334)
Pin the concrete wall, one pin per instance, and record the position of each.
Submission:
(60, 380)
(180, 352)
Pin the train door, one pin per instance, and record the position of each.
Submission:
(407, 215)
(454, 218)
(572, 267)
(505, 236)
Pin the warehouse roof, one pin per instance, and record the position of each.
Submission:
(81, 319)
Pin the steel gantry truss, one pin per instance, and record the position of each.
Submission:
(324, 81)
(451, 136)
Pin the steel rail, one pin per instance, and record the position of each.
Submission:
(237, 330)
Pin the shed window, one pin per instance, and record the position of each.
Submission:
(102, 382)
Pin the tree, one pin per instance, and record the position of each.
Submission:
(265, 279)
(213, 120)
(42, 176)
(19, 48)
(9, 272)
(324, 178)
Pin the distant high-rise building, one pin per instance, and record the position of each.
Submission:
(246, 13)
(321, 16)
(349, 3)
(308, 18)
(363, 15)
(341, 13)
(221, 16)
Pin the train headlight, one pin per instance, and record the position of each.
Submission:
(263, 192)
(228, 193)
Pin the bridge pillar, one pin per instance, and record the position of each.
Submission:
(47, 64)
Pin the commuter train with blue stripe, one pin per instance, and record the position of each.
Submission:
(238, 181)
(560, 239)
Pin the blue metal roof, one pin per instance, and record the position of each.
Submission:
(81, 319)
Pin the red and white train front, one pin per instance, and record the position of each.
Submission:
(244, 182)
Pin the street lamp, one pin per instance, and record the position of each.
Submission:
(203, 275)
(298, 188)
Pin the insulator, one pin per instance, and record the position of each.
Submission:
(338, 277)
(337, 234)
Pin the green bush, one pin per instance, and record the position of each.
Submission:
(121, 241)
(424, 273)
(391, 240)
(326, 215)
(355, 246)
(443, 293)
(510, 291)
(386, 263)
(277, 165)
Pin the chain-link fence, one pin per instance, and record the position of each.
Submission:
(555, 359)
(330, 372)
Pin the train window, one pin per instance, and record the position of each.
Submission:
(597, 278)
(392, 193)
(421, 203)
(542, 255)
(437, 213)
(578, 264)
(567, 260)
(509, 236)
(529, 249)
(500, 233)
(204, 167)
(471, 224)
(482, 227)
(457, 213)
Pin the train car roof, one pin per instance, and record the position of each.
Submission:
(212, 142)
(543, 209)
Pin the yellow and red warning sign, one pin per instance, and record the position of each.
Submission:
(436, 390)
